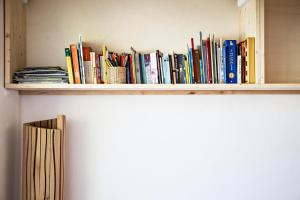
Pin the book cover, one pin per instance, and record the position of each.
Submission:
(131, 69)
(105, 67)
(176, 68)
(75, 62)
(196, 66)
(208, 58)
(93, 67)
(166, 69)
(143, 69)
(224, 68)
(80, 58)
(172, 69)
(191, 67)
(69, 65)
(181, 68)
(153, 68)
(187, 72)
(251, 59)
(231, 61)
(147, 62)
(239, 64)
(87, 64)
(137, 68)
(98, 69)
(204, 59)
(243, 62)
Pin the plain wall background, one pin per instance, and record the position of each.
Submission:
(9, 132)
(154, 147)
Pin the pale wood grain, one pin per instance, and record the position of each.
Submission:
(37, 162)
(15, 37)
(43, 164)
(33, 148)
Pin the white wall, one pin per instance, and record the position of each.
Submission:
(162, 147)
(177, 147)
(9, 132)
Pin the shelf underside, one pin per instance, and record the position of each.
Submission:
(142, 89)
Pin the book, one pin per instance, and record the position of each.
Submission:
(105, 67)
(93, 67)
(137, 68)
(239, 64)
(251, 59)
(87, 64)
(80, 58)
(153, 68)
(208, 58)
(181, 68)
(143, 69)
(187, 72)
(98, 69)
(147, 63)
(196, 66)
(224, 63)
(231, 61)
(74, 55)
(166, 69)
(172, 69)
(69, 65)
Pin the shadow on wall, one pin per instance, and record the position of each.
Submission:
(9, 163)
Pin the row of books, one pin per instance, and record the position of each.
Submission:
(212, 61)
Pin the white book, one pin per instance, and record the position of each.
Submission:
(153, 69)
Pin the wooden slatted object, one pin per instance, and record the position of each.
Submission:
(43, 159)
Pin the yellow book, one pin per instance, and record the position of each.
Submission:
(105, 67)
(251, 59)
(187, 71)
(69, 65)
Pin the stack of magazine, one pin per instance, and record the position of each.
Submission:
(41, 75)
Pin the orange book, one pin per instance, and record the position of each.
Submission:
(75, 64)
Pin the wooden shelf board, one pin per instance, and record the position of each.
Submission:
(64, 89)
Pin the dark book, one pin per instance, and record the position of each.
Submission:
(208, 58)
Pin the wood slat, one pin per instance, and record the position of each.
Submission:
(61, 125)
(32, 166)
(57, 157)
(25, 157)
(48, 162)
(28, 165)
(52, 166)
(43, 164)
(37, 163)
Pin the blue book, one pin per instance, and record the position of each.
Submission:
(202, 79)
(231, 61)
(191, 66)
(147, 63)
(224, 64)
(127, 65)
(166, 69)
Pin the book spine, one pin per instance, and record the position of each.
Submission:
(137, 68)
(80, 58)
(69, 65)
(187, 72)
(143, 70)
(243, 61)
(147, 68)
(128, 72)
(231, 61)
(105, 67)
(153, 68)
(94, 76)
(75, 62)
(87, 64)
(98, 70)
(131, 69)
(251, 59)
(224, 63)
(239, 65)
(209, 66)
(172, 69)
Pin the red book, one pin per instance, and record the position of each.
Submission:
(75, 63)
(132, 81)
(209, 60)
(194, 61)
(98, 72)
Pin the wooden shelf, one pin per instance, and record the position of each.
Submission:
(142, 89)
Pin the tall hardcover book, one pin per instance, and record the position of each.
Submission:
(172, 70)
(147, 62)
(208, 58)
(98, 69)
(224, 63)
(80, 58)
(196, 66)
(69, 65)
(166, 68)
(93, 67)
(143, 69)
(105, 67)
(251, 59)
(181, 68)
(75, 62)
(87, 63)
(153, 68)
(231, 61)
(137, 68)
